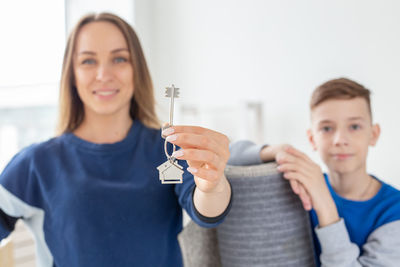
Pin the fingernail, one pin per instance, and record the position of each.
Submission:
(178, 153)
(168, 131)
(192, 170)
(171, 137)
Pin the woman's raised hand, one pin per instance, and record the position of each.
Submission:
(206, 152)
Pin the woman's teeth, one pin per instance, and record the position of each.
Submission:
(105, 93)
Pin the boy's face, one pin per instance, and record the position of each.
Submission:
(341, 131)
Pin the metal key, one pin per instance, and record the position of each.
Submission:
(170, 172)
(171, 92)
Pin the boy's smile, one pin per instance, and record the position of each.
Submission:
(341, 132)
(342, 156)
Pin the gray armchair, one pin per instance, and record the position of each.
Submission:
(266, 226)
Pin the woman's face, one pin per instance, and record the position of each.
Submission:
(103, 70)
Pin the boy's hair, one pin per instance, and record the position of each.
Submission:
(341, 88)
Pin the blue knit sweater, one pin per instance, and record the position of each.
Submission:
(98, 204)
(363, 217)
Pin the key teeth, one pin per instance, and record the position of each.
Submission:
(168, 92)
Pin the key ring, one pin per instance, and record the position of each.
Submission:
(171, 158)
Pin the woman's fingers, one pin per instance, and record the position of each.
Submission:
(198, 137)
(205, 173)
(201, 131)
(197, 155)
(206, 152)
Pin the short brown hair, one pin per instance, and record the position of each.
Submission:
(341, 88)
(71, 112)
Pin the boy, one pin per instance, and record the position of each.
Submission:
(355, 216)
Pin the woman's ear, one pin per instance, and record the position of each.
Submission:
(376, 132)
(311, 139)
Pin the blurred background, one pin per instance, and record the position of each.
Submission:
(245, 68)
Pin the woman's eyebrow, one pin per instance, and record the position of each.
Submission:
(94, 53)
(86, 53)
(119, 50)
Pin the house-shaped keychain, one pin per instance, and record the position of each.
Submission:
(170, 172)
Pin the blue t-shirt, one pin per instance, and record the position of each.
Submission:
(98, 204)
(363, 217)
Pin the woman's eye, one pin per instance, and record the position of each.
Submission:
(120, 59)
(88, 61)
(355, 127)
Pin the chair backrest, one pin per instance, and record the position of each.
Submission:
(266, 226)
(6, 253)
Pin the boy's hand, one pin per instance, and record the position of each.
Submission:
(206, 152)
(270, 153)
(297, 166)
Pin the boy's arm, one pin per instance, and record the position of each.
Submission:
(244, 153)
(382, 247)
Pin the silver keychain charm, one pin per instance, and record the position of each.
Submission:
(170, 172)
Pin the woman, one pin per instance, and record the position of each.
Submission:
(92, 195)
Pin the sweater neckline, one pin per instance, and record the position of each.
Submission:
(126, 143)
(342, 199)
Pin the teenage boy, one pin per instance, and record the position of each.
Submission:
(355, 216)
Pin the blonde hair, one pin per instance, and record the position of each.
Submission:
(71, 112)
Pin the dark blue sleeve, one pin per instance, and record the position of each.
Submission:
(185, 192)
(7, 224)
(244, 153)
(13, 184)
(16, 176)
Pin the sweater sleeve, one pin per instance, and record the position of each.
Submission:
(7, 224)
(13, 183)
(245, 153)
(381, 249)
(185, 193)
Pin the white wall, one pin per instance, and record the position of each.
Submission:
(31, 51)
(224, 53)
(75, 9)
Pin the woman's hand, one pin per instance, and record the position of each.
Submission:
(206, 152)
(297, 166)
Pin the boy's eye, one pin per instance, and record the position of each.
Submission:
(120, 59)
(355, 127)
(326, 129)
(88, 61)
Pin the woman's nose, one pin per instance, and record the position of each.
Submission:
(104, 73)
